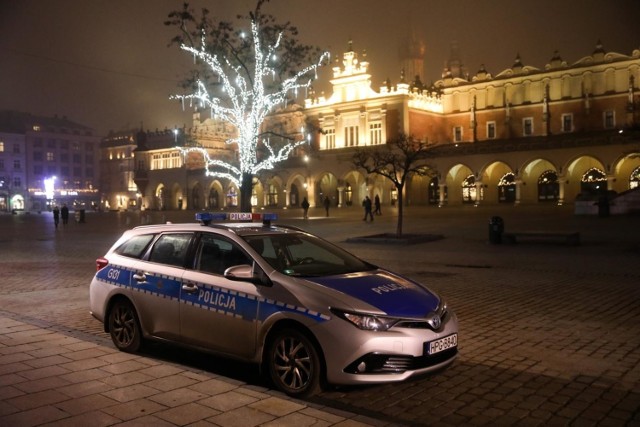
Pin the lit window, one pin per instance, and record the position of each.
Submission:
(1, 146)
(330, 138)
(609, 119)
(457, 134)
(567, 123)
(491, 130)
(351, 136)
(527, 126)
(375, 133)
(50, 157)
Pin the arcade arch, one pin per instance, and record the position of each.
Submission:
(458, 182)
(213, 195)
(579, 182)
(327, 186)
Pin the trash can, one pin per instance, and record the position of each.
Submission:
(603, 207)
(81, 219)
(496, 228)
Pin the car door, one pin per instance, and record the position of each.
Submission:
(217, 313)
(156, 283)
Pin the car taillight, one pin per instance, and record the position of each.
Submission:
(101, 263)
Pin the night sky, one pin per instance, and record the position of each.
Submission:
(107, 64)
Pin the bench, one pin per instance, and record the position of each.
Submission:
(570, 238)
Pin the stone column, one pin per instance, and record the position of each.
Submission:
(441, 200)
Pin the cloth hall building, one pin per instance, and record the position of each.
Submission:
(559, 134)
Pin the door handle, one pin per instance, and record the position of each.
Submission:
(140, 277)
(189, 288)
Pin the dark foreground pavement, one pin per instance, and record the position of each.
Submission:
(549, 333)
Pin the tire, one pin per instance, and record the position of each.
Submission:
(293, 363)
(124, 327)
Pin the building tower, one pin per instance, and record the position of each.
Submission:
(412, 52)
(454, 65)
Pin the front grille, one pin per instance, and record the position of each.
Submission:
(394, 364)
(422, 324)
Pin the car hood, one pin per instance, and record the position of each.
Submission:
(393, 295)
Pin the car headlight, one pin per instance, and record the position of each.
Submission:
(366, 322)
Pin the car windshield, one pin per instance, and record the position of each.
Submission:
(299, 254)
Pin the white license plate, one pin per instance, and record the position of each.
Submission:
(442, 344)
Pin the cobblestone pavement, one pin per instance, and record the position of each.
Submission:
(549, 333)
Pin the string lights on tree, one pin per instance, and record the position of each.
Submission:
(247, 97)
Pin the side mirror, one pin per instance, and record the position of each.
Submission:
(244, 273)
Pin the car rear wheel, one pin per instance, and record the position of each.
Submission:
(294, 363)
(124, 327)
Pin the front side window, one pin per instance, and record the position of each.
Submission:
(216, 254)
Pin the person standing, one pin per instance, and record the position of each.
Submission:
(366, 203)
(64, 213)
(327, 203)
(56, 216)
(376, 203)
(305, 208)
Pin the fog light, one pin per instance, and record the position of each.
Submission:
(362, 367)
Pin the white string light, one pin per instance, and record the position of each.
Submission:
(245, 106)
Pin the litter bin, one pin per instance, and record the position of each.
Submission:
(603, 207)
(82, 216)
(496, 228)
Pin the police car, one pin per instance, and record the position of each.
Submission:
(306, 310)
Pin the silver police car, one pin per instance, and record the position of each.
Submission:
(306, 310)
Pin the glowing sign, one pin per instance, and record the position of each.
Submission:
(49, 186)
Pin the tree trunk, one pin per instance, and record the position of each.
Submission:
(400, 210)
(246, 190)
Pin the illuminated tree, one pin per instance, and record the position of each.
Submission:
(397, 160)
(244, 78)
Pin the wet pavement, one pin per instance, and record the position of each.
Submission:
(549, 332)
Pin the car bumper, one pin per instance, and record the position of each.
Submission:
(357, 356)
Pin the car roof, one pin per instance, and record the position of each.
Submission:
(239, 228)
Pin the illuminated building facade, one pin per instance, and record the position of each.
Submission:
(117, 168)
(60, 163)
(564, 133)
(12, 170)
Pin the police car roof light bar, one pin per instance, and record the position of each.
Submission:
(205, 218)
(267, 218)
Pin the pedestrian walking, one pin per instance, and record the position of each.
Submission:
(305, 208)
(56, 216)
(327, 203)
(366, 203)
(376, 203)
(64, 213)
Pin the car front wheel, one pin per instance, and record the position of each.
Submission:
(124, 327)
(294, 363)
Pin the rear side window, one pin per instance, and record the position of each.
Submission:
(171, 249)
(135, 246)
